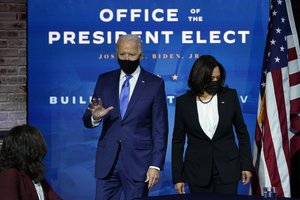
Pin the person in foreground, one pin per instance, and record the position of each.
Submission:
(131, 104)
(206, 114)
(21, 166)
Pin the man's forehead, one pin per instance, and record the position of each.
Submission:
(127, 46)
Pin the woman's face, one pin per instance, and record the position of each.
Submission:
(216, 74)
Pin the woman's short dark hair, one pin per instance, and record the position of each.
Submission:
(201, 72)
(24, 148)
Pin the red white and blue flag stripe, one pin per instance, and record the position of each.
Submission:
(278, 121)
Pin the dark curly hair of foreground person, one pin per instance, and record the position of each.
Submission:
(21, 166)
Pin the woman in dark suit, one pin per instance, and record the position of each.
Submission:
(21, 167)
(206, 114)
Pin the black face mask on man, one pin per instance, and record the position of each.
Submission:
(212, 87)
(129, 66)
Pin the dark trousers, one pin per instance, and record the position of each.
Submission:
(215, 185)
(111, 187)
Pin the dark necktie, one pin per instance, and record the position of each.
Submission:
(124, 96)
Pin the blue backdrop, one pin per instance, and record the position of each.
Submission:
(71, 42)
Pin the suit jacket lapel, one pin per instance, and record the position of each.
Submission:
(137, 93)
(222, 111)
(115, 91)
(194, 112)
(194, 115)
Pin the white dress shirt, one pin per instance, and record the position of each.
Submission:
(208, 116)
(132, 81)
(39, 190)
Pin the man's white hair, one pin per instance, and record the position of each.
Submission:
(131, 37)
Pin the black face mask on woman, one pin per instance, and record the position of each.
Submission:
(212, 87)
(129, 66)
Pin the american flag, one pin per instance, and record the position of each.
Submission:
(278, 121)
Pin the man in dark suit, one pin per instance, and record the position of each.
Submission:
(131, 104)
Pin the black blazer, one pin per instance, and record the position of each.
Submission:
(196, 166)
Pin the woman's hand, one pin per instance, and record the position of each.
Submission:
(246, 177)
(180, 188)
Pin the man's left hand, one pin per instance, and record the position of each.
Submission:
(152, 177)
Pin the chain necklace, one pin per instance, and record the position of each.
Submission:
(206, 102)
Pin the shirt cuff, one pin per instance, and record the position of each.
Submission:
(153, 167)
(95, 122)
